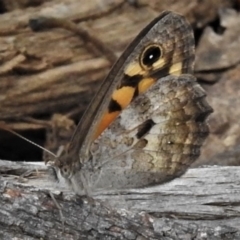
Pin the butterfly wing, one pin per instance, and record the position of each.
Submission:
(155, 139)
(165, 47)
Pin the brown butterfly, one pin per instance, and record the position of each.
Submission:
(147, 123)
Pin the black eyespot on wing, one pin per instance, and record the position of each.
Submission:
(151, 55)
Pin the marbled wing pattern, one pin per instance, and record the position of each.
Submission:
(155, 139)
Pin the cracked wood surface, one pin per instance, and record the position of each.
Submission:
(202, 204)
(58, 71)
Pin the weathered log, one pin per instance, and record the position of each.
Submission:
(202, 204)
(58, 71)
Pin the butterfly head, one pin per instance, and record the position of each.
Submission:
(66, 171)
(65, 165)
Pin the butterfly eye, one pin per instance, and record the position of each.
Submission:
(151, 55)
(65, 170)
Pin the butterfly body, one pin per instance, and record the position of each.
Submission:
(147, 123)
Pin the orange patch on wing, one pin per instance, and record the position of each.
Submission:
(106, 120)
(123, 96)
(145, 84)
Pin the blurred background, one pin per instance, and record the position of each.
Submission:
(48, 77)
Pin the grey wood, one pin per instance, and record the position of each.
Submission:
(202, 204)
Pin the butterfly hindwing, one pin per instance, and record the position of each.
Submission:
(155, 138)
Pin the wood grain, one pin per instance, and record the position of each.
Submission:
(202, 204)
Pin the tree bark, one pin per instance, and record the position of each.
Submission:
(202, 204)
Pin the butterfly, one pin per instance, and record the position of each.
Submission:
(147, 122)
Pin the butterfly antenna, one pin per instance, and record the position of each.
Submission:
(5, 127)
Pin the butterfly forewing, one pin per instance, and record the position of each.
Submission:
(165, 46)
